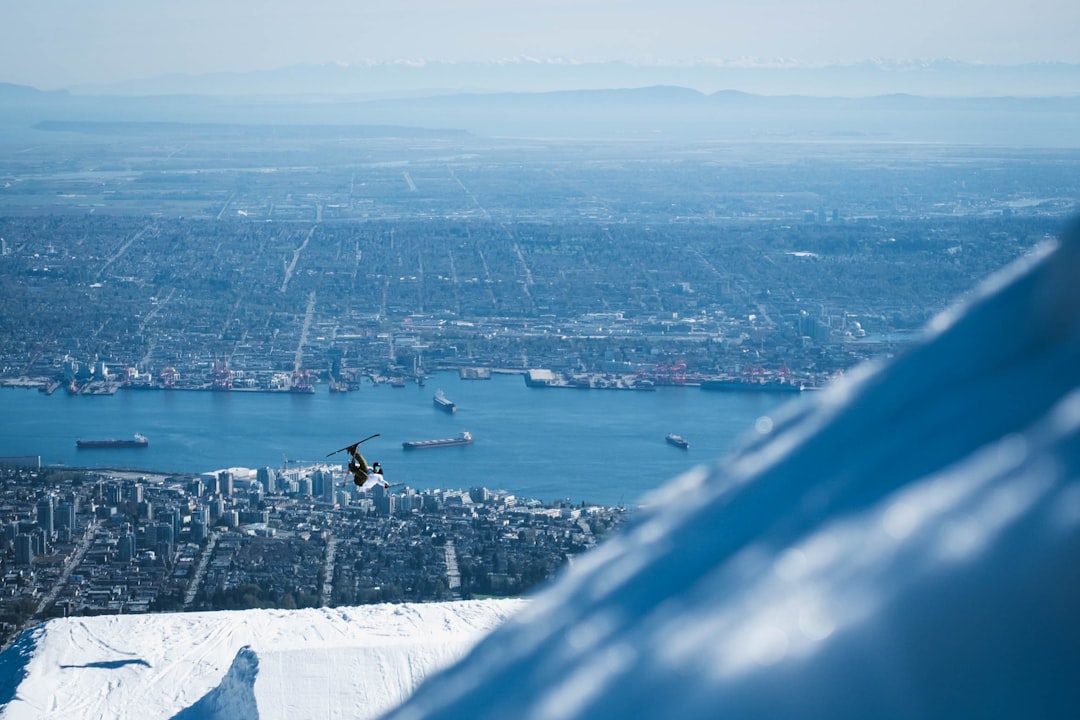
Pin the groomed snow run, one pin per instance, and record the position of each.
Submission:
(267, 664)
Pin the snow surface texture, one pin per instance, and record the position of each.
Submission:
(328, 663)
(905, 544)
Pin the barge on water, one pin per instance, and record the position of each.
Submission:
(139, 441)
(678, 441)
(441, 402)
(778, 386)
(464, 438)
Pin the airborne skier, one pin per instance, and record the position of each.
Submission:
(358, 466)
(362, 473)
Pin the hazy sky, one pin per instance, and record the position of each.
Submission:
(59, 43)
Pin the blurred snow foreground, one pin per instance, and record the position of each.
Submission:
(905, 544)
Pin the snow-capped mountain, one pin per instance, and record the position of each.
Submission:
(906, 545)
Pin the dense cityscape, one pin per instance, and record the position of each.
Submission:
(103, 542)
(150, 272)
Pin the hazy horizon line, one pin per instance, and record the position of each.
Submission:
(743, 63)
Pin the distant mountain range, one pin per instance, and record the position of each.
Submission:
(940, 102)
(401, 79)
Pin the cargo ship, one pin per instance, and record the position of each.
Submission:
(139, 441)
(751, 386)
(678, 441)
(464, 438)
(443, 404)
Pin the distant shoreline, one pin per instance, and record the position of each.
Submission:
(586, 381)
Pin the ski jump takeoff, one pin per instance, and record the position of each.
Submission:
(363, 474)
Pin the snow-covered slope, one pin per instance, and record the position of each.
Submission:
(340, 663)
(905, 545)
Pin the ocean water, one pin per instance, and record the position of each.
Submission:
(600, 446)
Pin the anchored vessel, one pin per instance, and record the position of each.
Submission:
(678, 441)
(443, 404)
(139, 441)
(464, 438)
(751, 386)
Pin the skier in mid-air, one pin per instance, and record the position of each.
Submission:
(362, 473)
(375, 477)
(358, 466)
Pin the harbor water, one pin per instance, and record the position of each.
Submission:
(596, 446)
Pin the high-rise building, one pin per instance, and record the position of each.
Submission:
(384, 502)
(114, 493)
(65, 515)
(267, 477)
(316, 483)
(125, 547)
(325, 489)
(172, 517)
(409, 503)
(225, 483)
(165, 542)
(40, 541)
(24, 549)
(149, 537)
(45, 517)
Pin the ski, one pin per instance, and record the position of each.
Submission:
(347, 447)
